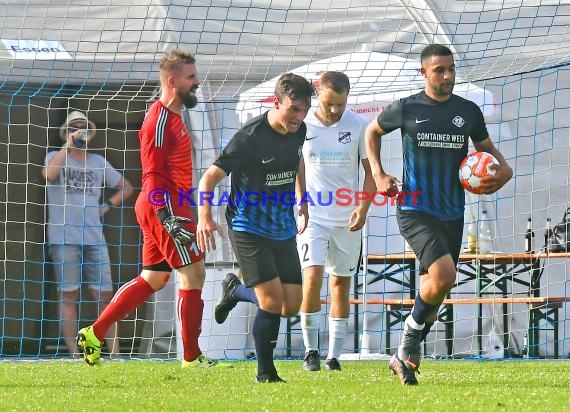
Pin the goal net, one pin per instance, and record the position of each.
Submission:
(101, 58)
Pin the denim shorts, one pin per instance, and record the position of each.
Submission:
(77, 264)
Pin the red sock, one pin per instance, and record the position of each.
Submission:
(190, 309)
(129, 296)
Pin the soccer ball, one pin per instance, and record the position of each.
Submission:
(473, 168)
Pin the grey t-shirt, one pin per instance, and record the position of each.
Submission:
(74, 200)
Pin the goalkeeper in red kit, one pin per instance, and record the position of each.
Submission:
(167, 224)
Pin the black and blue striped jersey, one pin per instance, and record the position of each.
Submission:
(435, 139)
(263, 166)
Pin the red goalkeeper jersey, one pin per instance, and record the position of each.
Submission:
(166, 158)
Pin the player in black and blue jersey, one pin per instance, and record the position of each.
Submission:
(436, 126)
(265, 164)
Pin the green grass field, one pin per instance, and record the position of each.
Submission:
(459, 385)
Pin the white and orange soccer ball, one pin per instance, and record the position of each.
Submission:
(473, 168)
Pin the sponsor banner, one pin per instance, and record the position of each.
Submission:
(36, 49)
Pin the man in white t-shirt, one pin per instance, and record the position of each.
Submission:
(76, 180)
(333, 149)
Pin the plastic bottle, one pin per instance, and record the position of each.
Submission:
(547, 233)
(486, 236)
(525, 346)
(529, 236)
(472, 246)
(496, 349)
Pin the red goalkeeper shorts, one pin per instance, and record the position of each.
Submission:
(158, 245)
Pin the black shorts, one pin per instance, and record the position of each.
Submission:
(261, 259)
(431, 238)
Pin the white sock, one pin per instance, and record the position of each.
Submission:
(310, 329)
(337, 332)
(413, 324)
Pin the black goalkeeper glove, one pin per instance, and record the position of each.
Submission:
(174, 226)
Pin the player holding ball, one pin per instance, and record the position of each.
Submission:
(436, 126)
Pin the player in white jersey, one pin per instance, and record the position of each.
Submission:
(333, 148)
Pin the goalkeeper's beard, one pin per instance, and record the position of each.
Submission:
(189, 99)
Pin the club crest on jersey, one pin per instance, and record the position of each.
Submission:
(458, 121)
(344, 137)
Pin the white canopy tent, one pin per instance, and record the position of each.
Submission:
(376, 80)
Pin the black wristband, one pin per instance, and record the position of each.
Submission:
(162, 214)
(109, 204)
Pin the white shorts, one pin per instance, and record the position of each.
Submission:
(336, 248)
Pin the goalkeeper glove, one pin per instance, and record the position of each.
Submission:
(174, 226)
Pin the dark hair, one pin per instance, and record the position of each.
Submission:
(337, 81)
(293, 86)
(172, 61)
(434, 50)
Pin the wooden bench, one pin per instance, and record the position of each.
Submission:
(541, 308)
